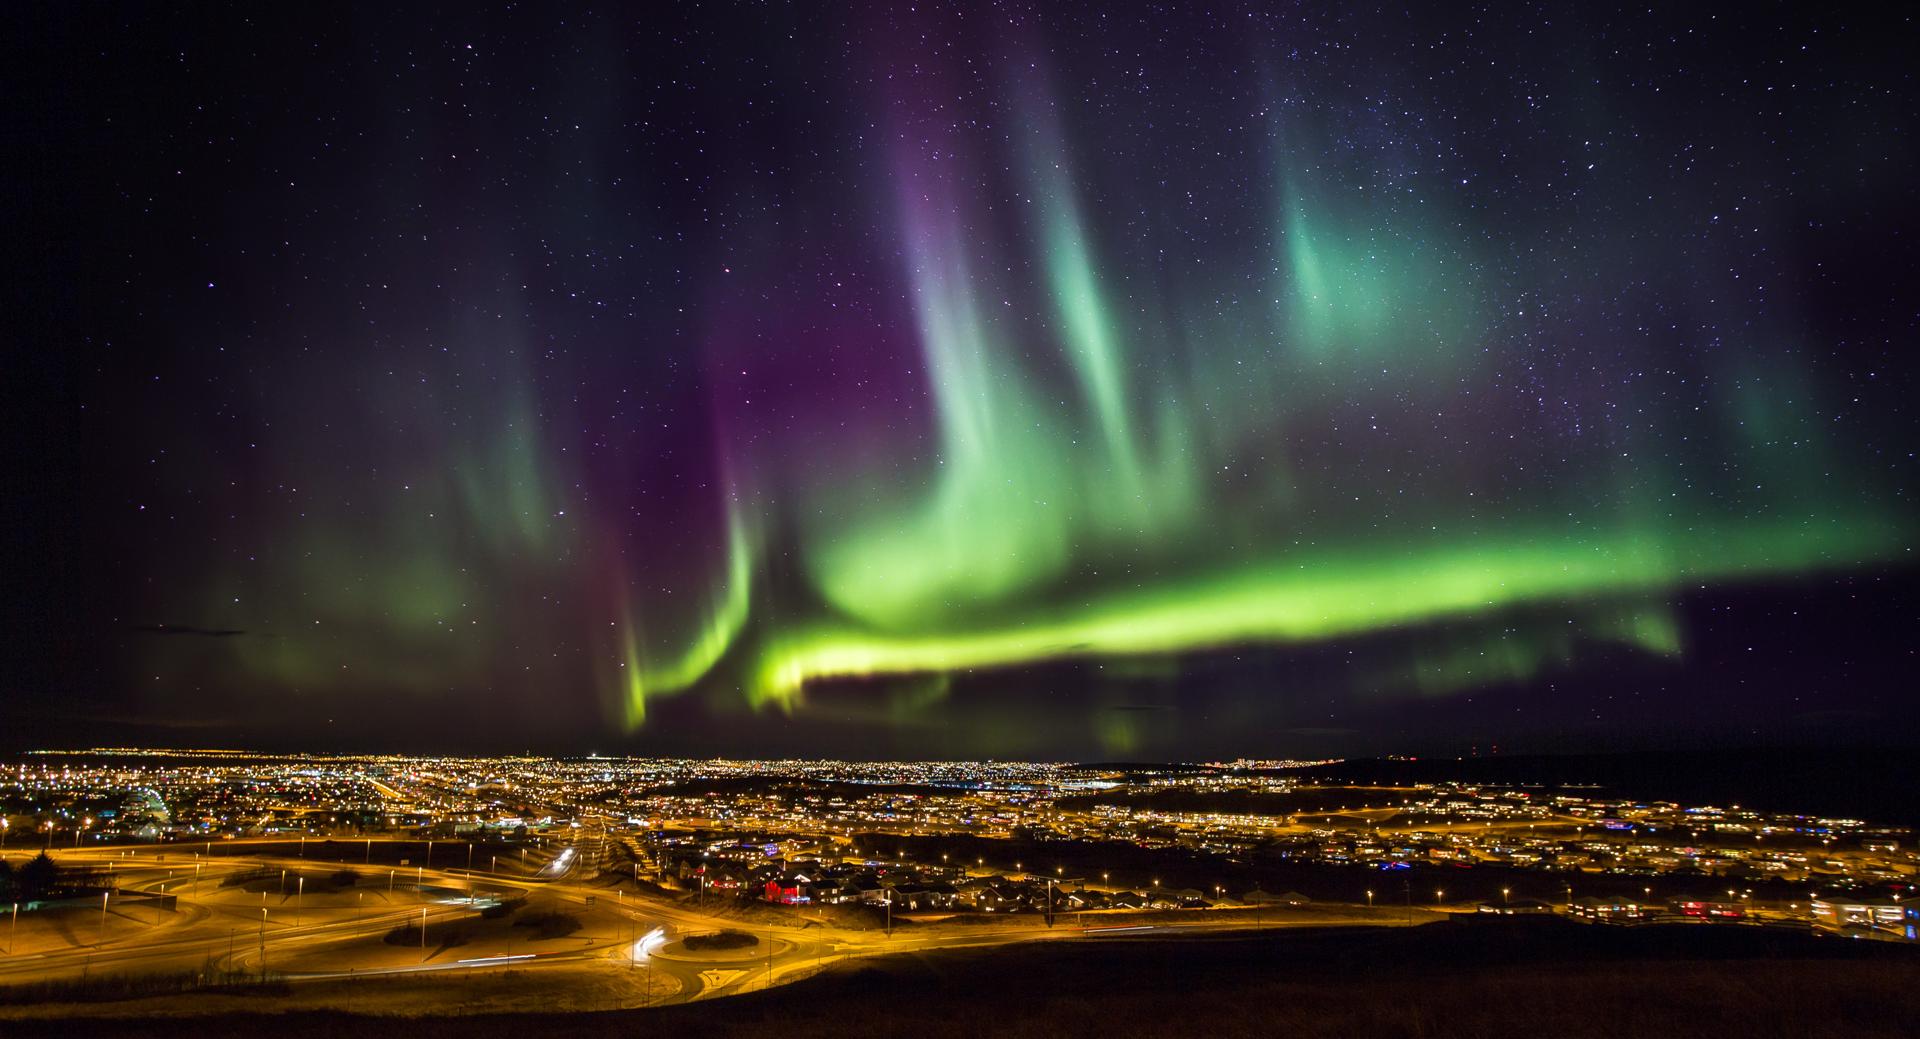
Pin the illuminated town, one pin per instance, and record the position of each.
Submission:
(232, 866)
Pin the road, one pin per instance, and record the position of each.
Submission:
(301, 934)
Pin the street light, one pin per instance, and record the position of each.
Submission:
(1369, 900)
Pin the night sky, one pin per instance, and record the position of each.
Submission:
(1063, 381)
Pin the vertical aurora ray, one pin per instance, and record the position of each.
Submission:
(1086, 326)
(1024, 487)
(998, 516)
(1131, 489)
(1087, 331)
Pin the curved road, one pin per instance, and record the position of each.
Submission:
(213, 930)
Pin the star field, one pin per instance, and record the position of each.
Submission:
(1015, 379)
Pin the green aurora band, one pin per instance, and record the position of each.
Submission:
(985, 564)
(1106, 377)
(1296, 601)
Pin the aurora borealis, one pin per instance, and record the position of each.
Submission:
(634, 378)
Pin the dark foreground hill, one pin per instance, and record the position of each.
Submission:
(1531, 979)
